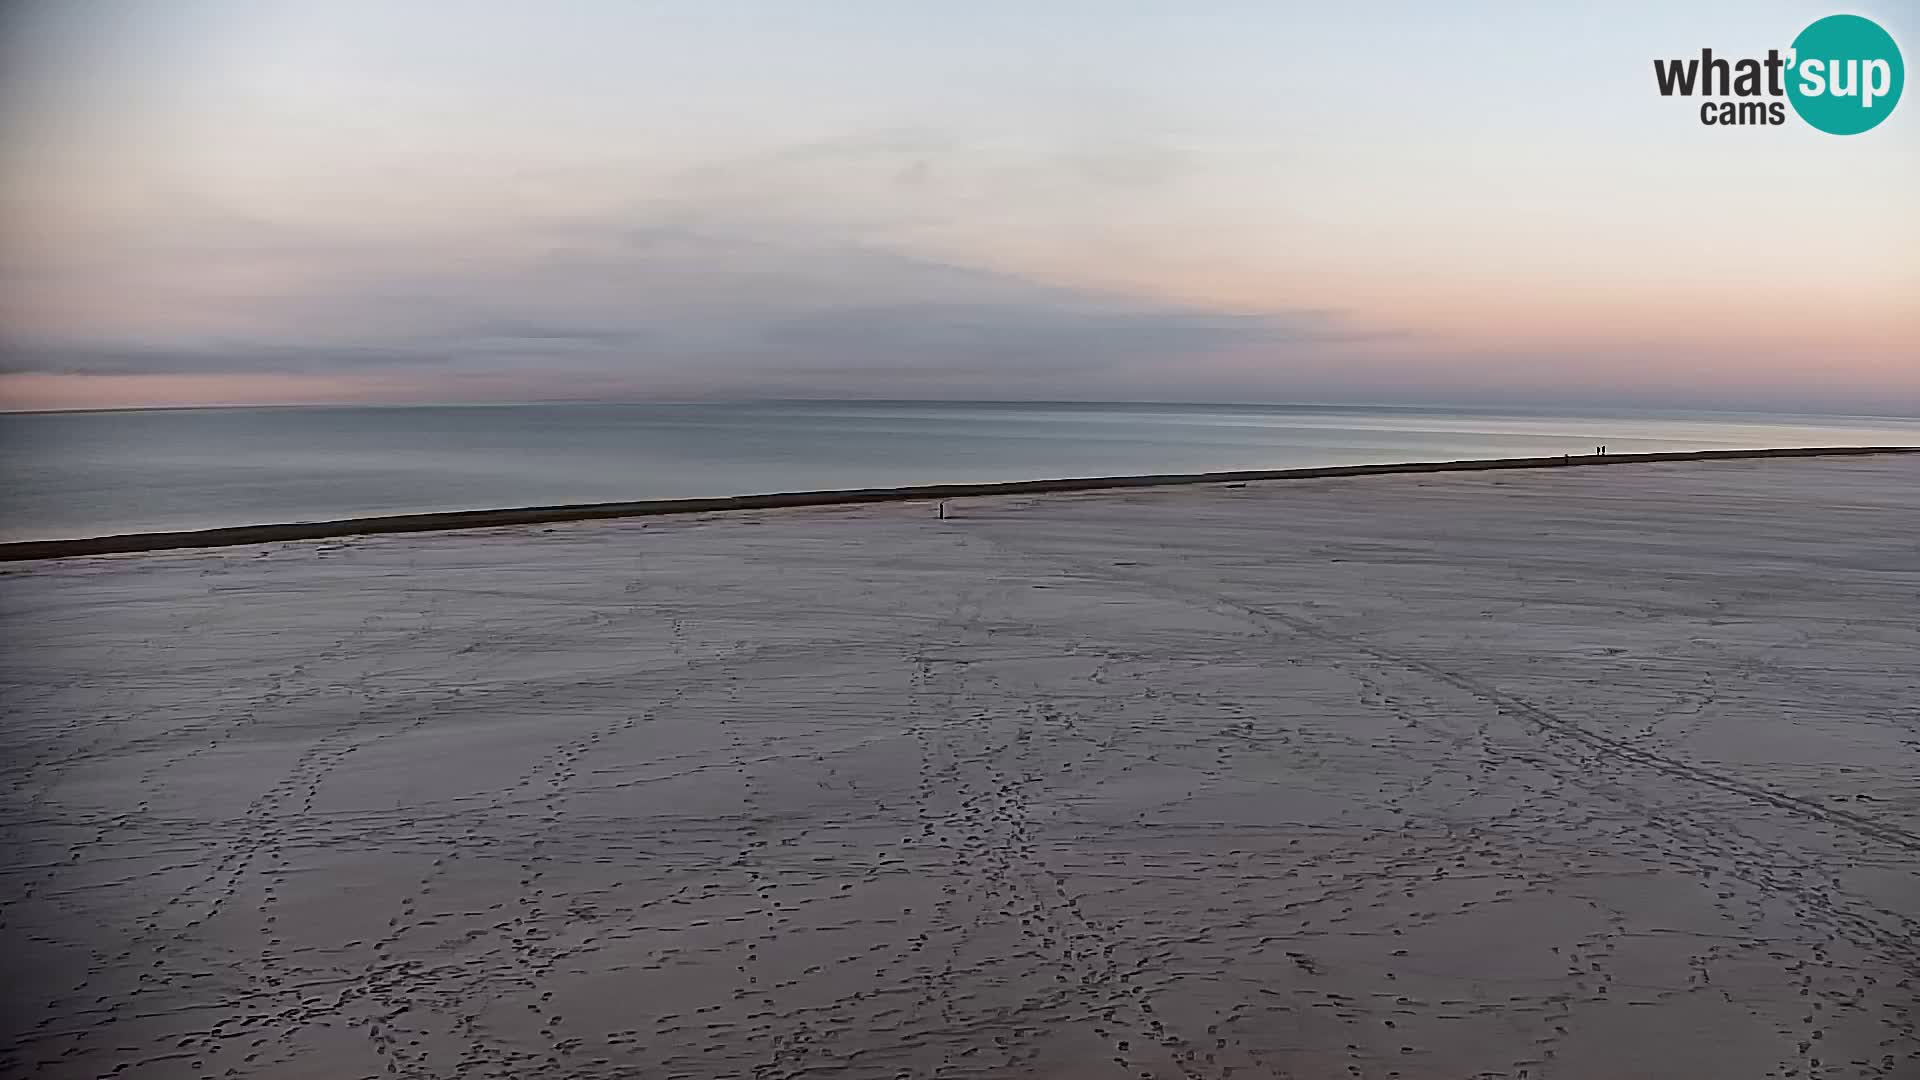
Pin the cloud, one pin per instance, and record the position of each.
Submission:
(79, 359)
(824, 267)
(1072, 334)
(645, 295)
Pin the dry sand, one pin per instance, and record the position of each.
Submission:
(1591, 773)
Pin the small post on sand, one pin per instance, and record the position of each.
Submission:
(943, 509)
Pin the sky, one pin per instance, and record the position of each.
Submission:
(259, 201)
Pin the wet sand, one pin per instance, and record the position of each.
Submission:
(1571, 773)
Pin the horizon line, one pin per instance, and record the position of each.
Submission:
(1520, 407)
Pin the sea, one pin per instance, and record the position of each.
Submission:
(77, 474)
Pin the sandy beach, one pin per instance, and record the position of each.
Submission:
(1570, 773)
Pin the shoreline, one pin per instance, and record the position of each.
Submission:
(443, 521)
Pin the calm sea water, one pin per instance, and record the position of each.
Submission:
(88, 474)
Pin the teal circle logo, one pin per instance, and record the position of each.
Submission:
(1846, 74)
